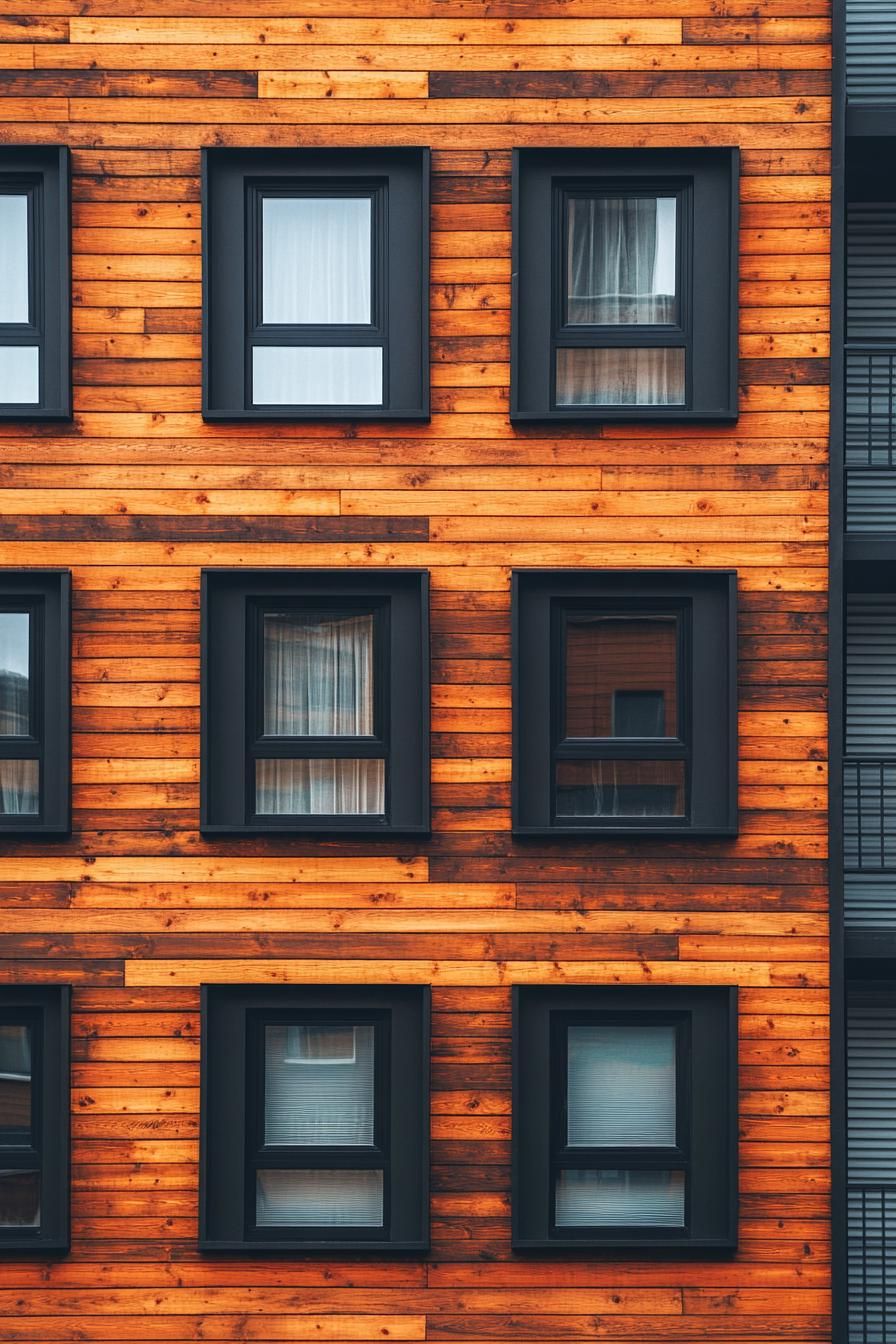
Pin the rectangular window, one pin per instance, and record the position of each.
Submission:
(333, 1127)
(34, 1108)
(316, 283)
(34, 701)
(625, 303)
(35, 302)
(317, 701)
(625, 1117)
(624, 702)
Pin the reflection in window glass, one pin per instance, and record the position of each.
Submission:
(620, 1199)
(15, 1083)
(621, 260)
(622, 674)
(620, 376)
(319, 1198)
(13, 259)
(15, 669)
(621, 1086)
(329, 1105)
(316, 260)
(19, 1198)
(623, 788)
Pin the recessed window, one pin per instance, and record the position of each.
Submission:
(35, 379)
(34, 701)
(315, 283)
(324, 1092)
(34, 1108)
(316, 708)
(624, 702)
(625, 1117)
(625, 299)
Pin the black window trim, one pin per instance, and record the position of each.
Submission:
(537, 326)
(706, 1108)
(46, 595)
(342, 170)
(48, 1009)
(233, 1016)
(43, 173)
(402, 739)
(709, 756)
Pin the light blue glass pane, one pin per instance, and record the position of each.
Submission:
(620, 1199)
(317, 375)
(13, 258)
(19, 375)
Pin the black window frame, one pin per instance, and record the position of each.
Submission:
(234, 181)
(233, 1021)
(43, 174)
(705, 182)
(46, 1010)
(46, 595)
(705, 1018)
(233, 604)
(706, 604)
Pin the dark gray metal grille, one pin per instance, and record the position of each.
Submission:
(870, 51)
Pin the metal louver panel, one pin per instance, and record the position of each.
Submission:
(871, 501)
(871, 1140)
(871, 268)
(870, 50)
(871, 675)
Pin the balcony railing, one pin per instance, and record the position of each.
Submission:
(872, 1263)
(871, 438)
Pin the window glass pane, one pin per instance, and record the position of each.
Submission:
(622, 677)
(319, 1103)
(13, 258)
(14, 673)
(19, 375)
(620, 376)
(19, 1198)
(621, 1086)
(318, 787)
(621, 260)
(318, 675)
(620, 1199)
(316, 259)
(15, 1083)
(620, 789)
(319, 1199)
(317, 375)
(19, 788)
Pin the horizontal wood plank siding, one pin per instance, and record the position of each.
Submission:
(136, 909)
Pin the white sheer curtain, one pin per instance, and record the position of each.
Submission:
(621, 260)
(316, 269)
(321, 1096)
(19, 788)
(315, 260)
(319, 682)
(621, 376)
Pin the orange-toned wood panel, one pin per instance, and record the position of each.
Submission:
(138, 494)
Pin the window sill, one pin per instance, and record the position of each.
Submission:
(302, 416)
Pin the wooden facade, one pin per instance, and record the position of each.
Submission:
(136, 909)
